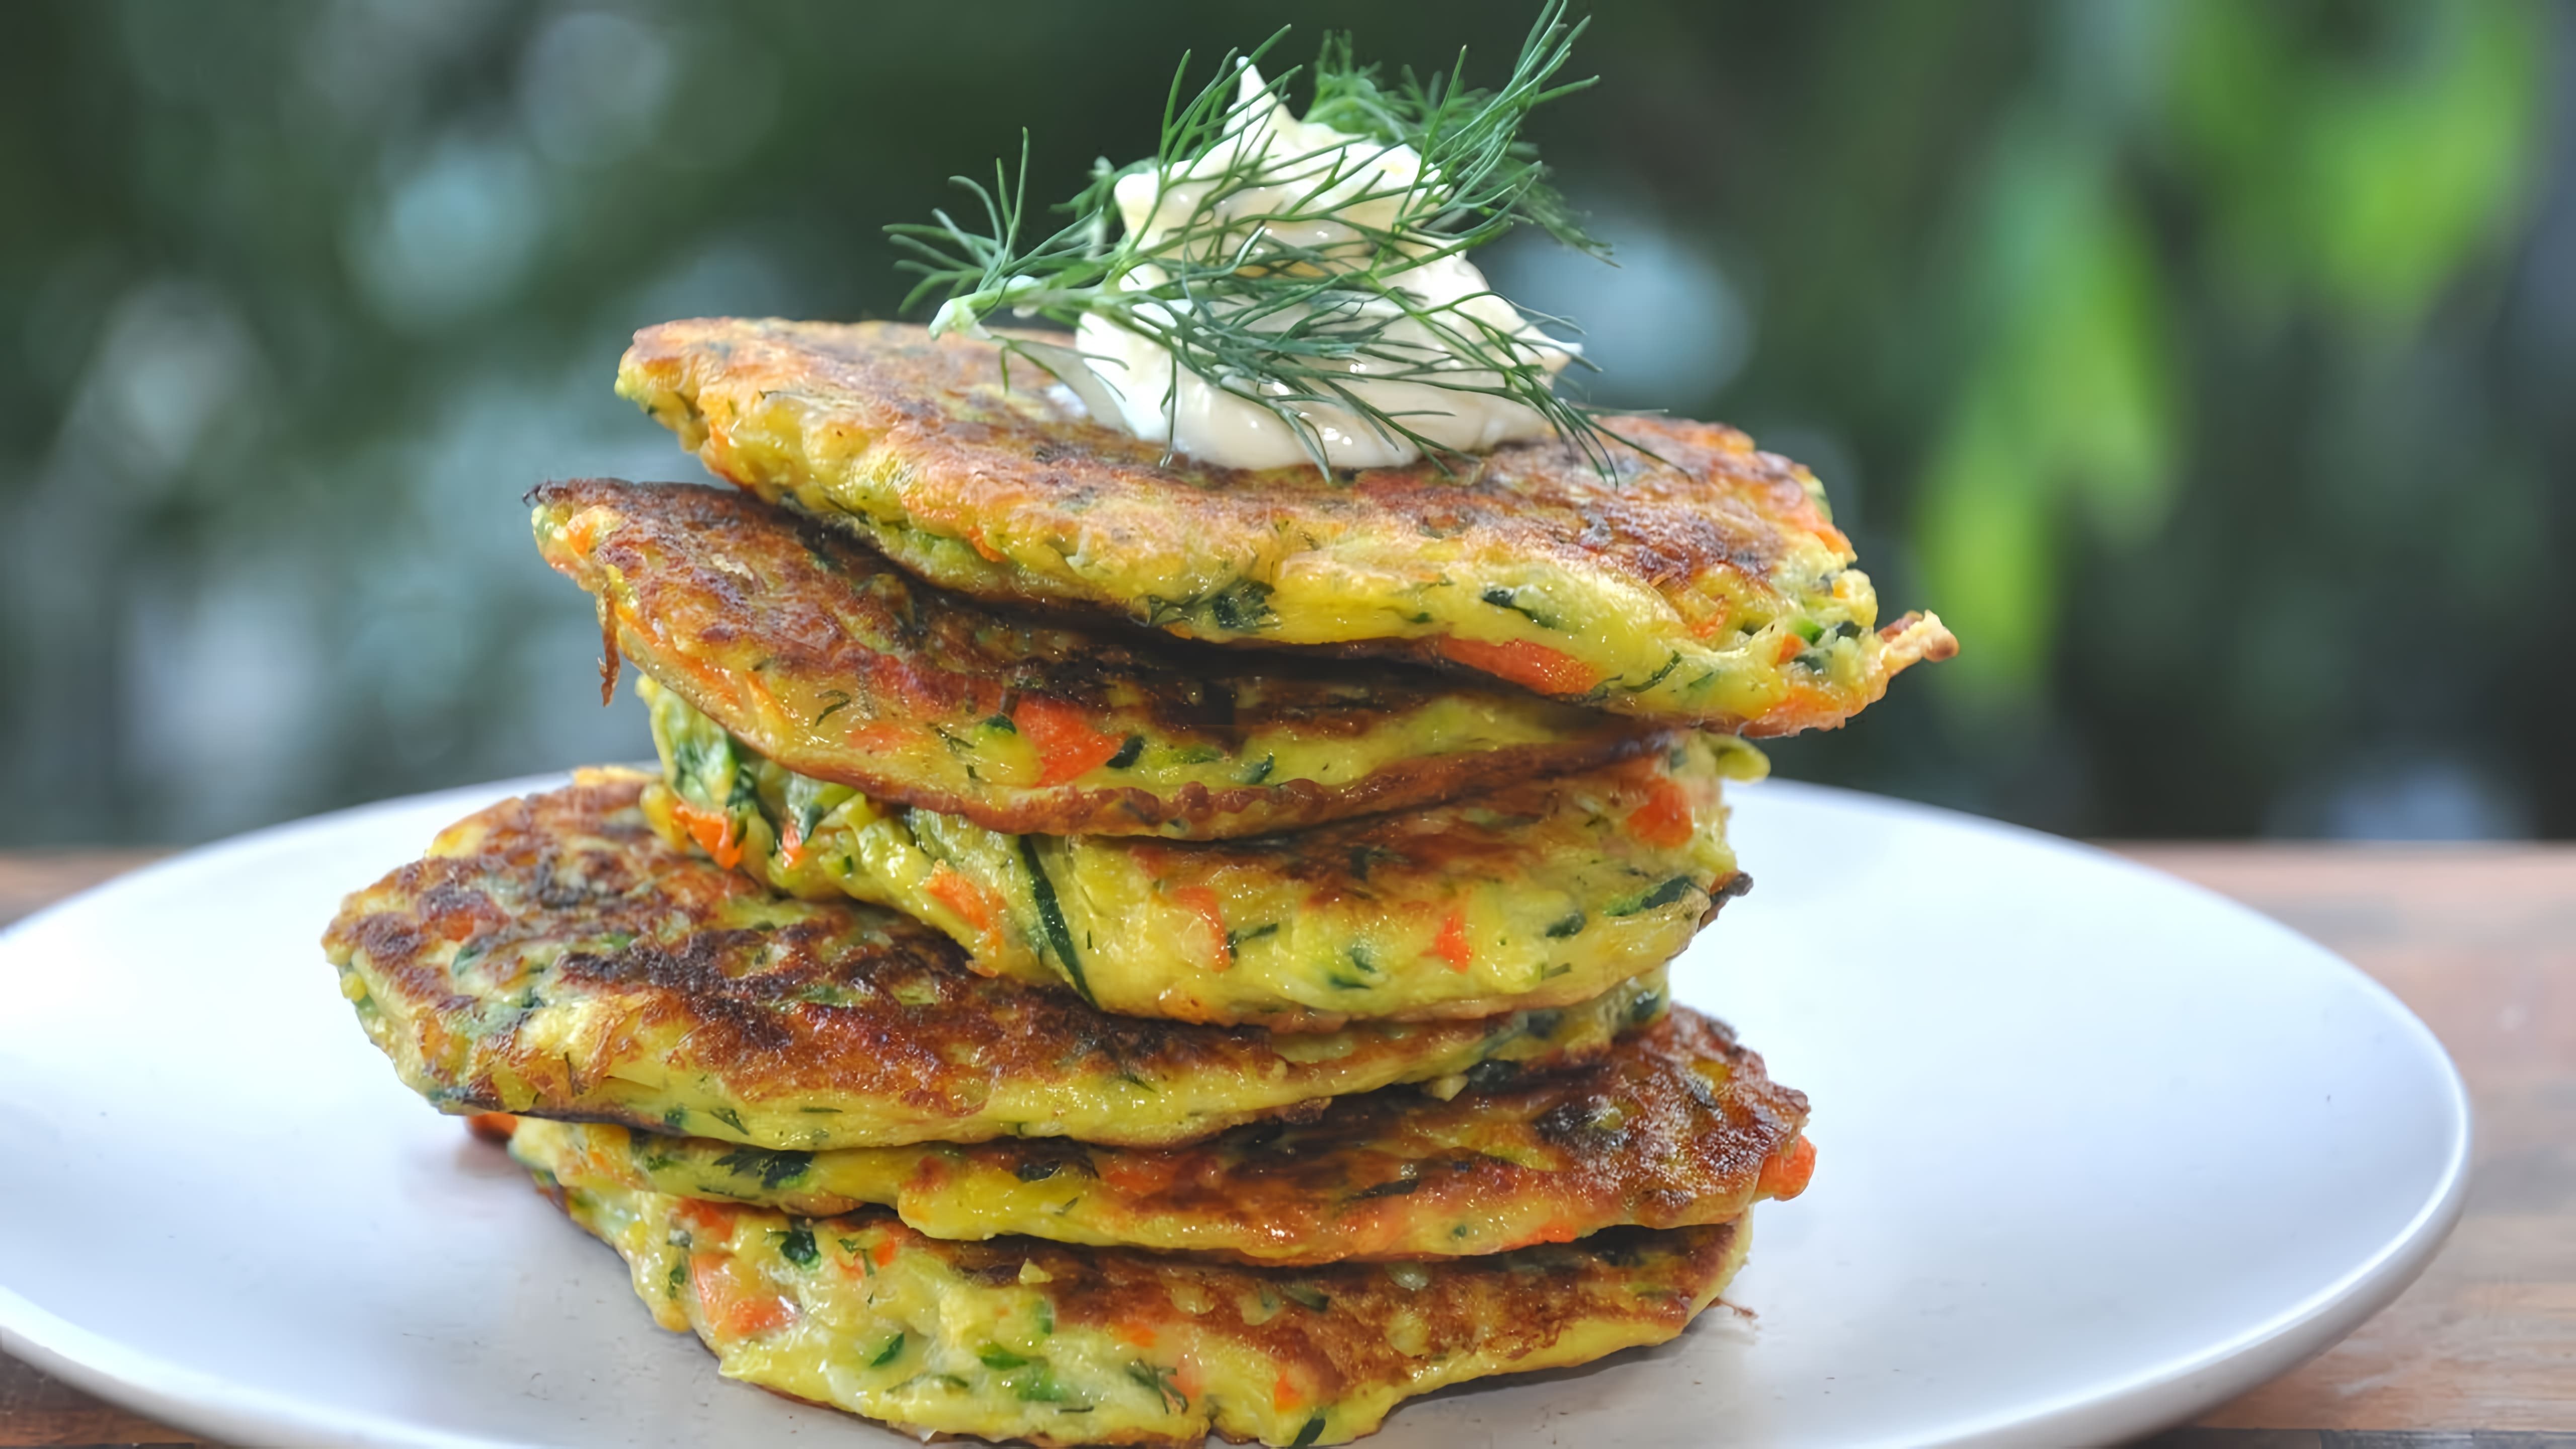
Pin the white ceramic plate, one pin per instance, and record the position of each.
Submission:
(2098, 1150)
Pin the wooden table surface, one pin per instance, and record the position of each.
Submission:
(2479, 1354)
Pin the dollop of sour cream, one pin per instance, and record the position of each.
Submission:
(1344, 183)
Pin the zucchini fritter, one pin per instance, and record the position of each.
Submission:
(1022, 1339)
(829, 659)
(1704, 584)
(1538, 894)
(1676, 1126)
(551, 956)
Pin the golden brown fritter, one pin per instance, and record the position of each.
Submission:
(1677, 1125)
(1022, 1339)
(552, 956)
(826, 658)
(1704, 583)
(1540, 893)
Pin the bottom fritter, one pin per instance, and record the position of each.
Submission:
(1020, 1339)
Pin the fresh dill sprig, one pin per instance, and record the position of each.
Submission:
(1273, 300)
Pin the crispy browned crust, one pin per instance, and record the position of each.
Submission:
(828, 659)
(551, 956)
(1673, 1127)
(1015, 493)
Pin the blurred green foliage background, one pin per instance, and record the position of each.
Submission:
(2205, 362)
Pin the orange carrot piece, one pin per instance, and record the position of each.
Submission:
(729, 1311)
(1535, 666)
(582, 529)
(972, 903)
(703, 1218)
(1068, 744)
(1664, 821)
(1452, 945)
(1785, 1174)
(1138, 1174)
(1202, 902)
(712, 830)
(492, 1127)
(885, 738)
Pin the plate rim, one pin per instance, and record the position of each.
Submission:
(2157, 1396)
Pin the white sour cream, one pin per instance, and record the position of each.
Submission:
(1291, 158)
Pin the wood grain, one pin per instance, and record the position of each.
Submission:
(2479, 1354)
(33, 880)
(2481, 943)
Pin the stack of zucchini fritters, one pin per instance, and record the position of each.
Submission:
(1017, 1008)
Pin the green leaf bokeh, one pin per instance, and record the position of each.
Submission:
(2203, 362)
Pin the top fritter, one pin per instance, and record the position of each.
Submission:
(1705, 583)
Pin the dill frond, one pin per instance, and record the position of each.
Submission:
(1273, 301)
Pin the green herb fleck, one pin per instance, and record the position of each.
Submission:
(1234, 939)
(796, 1245)
(1157, 1380)
(1662, 895)
(1367, 968)
(774, 1168)
(1672, 662)
(1503, 598)
(1647, 1006)
(1059, 937)
(1242, 607)
(1037, 1385)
